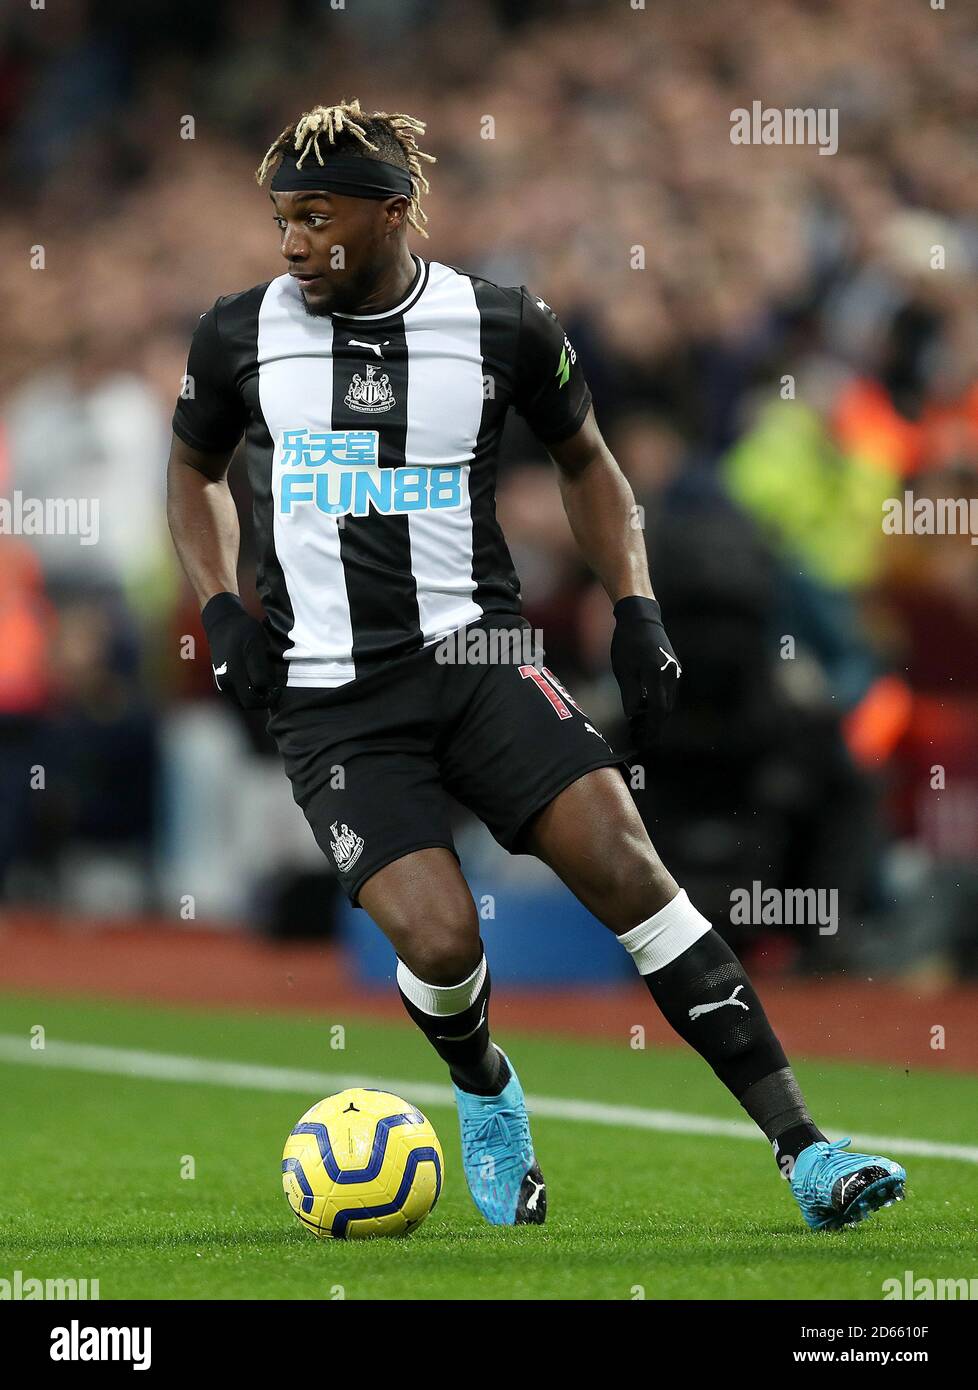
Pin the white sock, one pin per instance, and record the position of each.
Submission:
(441, 1000)
(653, 944)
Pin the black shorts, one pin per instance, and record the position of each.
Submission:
(373, 763)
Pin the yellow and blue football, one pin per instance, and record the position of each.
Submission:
(360, 1164)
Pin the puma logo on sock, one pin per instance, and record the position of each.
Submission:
(698, 1009)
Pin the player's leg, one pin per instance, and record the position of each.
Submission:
(592, 836)
(423, 906)
(362, 768)
(527, 760)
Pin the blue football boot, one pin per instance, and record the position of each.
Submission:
(836, 1189)
(497, 1155)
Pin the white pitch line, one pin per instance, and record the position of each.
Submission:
(166, 1066)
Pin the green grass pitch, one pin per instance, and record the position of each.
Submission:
(90, 1174)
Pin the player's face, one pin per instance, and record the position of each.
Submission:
(335, 246)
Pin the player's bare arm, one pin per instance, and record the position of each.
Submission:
(600, 507)
(203, 519)
(206, 535)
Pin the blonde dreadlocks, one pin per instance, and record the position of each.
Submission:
(390, 137)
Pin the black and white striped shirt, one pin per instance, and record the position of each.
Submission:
(371, 443)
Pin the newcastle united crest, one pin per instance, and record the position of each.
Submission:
(370, 394)
(347, 846)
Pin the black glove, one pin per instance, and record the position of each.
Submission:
(241, 658)
(645, 667)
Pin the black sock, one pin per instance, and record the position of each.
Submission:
(706, 996)
(462, 1040)
(789, 1143)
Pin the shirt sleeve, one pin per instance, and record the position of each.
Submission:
(210, 414)
(550, 392)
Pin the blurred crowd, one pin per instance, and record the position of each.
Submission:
(777, 341)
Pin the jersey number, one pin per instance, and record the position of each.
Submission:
(545, 680)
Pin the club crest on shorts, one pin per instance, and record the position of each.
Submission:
(370, 394)
(347, 846)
